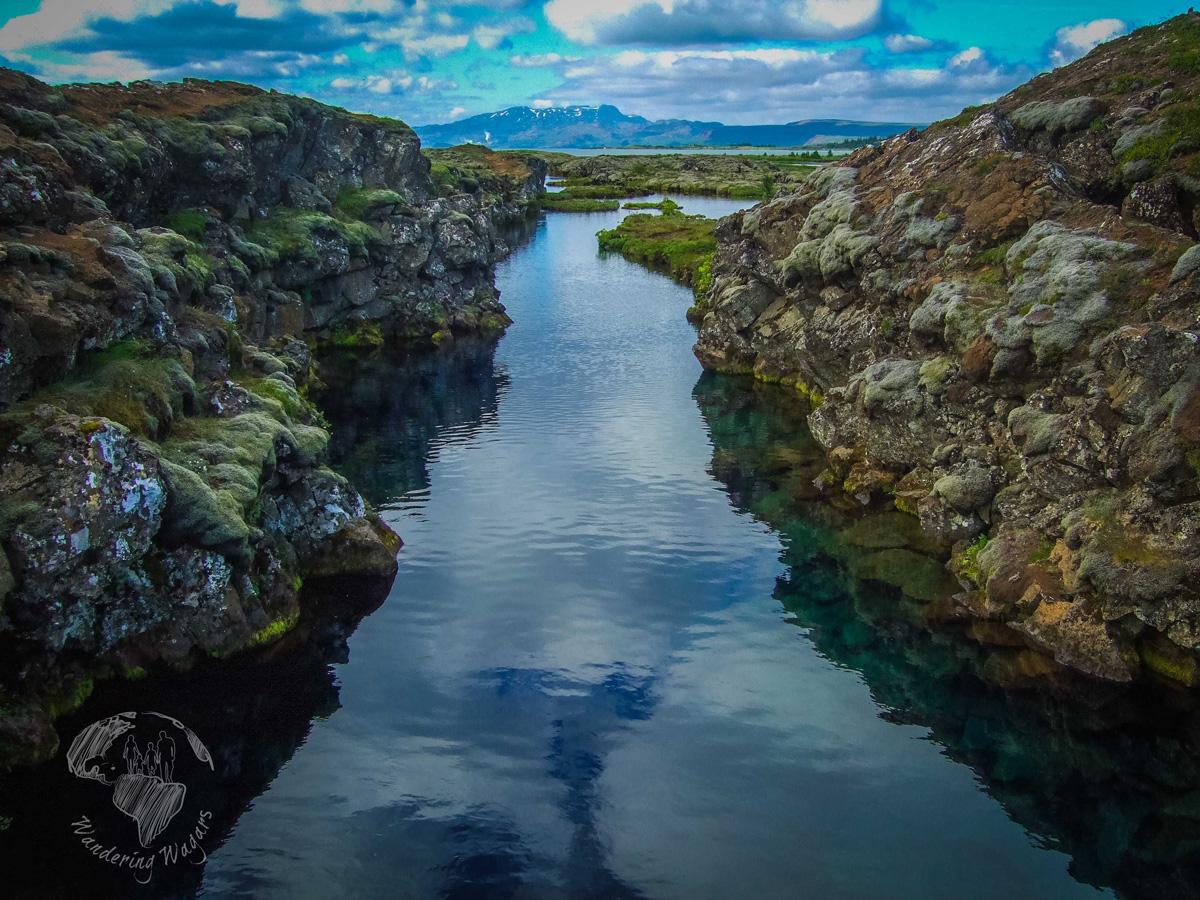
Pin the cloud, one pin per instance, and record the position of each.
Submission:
(1075, 41)
(780, 84)
(207, 32)
(492, 36)
(678, 22)
(906, 43)
(540, 60)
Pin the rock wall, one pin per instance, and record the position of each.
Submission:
(996, 321)
(168, 255)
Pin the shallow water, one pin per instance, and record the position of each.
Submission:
(629, 654)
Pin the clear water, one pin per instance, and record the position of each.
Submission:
(629, 654)
(686, 151)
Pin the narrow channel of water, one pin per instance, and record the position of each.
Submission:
(629, 653)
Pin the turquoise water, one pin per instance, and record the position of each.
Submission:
(629, 653)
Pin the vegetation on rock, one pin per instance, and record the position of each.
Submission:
(999, 314)
(680, 245)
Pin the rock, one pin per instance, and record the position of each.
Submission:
(1057, 116)
(1188, 263)
(168, 493)
(1012, 356)
(361, 547)
(967, 491)
(1077, 638)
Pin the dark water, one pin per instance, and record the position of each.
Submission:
(629, 653)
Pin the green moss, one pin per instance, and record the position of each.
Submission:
(368, 203)
(122, 384)
(1183, 41)
(357, 336)
(1170, 662)
(134, 673)
(291, 233)
(558, 203)
(294, 407)
(444, 178)
(70, 697)
(966, 563)
(275, 630)
(162, 250)
(189, 222)
(682, 246)
(1041, 552)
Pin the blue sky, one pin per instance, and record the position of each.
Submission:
(735, 61)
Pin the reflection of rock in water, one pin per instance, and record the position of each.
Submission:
(385, 410)
(1110, 775)
(252, 714)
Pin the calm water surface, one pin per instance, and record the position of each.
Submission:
(628, 654)
(582, 684)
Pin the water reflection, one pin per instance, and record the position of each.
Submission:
(584, 683)
(1108, 774)
(385, 409)
(252, 713)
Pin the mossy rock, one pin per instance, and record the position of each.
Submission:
(197, 514)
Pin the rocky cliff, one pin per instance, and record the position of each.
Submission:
(168, 254)
(996, 321)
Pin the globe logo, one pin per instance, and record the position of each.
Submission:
(136, 754)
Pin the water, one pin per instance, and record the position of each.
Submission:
(686, 151)
(630, 653)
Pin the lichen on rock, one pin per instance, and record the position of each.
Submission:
(999, 314)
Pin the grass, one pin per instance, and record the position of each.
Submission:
(1183, 36)
(1180, 137)
(680, 245)
(558, 203)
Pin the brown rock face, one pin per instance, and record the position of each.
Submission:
(1012, 297)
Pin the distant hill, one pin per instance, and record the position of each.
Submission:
(607, 126)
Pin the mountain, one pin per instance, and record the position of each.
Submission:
(606, 126)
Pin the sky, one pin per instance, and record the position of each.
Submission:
(740, 62)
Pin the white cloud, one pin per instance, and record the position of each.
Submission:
(491, 35)
(434, 44)
(780, 85)
(906, 43)
(966, 57)
(458, 112)
(542, 104)
(539, 60)
(673, 22)
(391, 82)
(1075, 41)
(102, 66)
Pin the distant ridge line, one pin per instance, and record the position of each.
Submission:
(578, 127)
